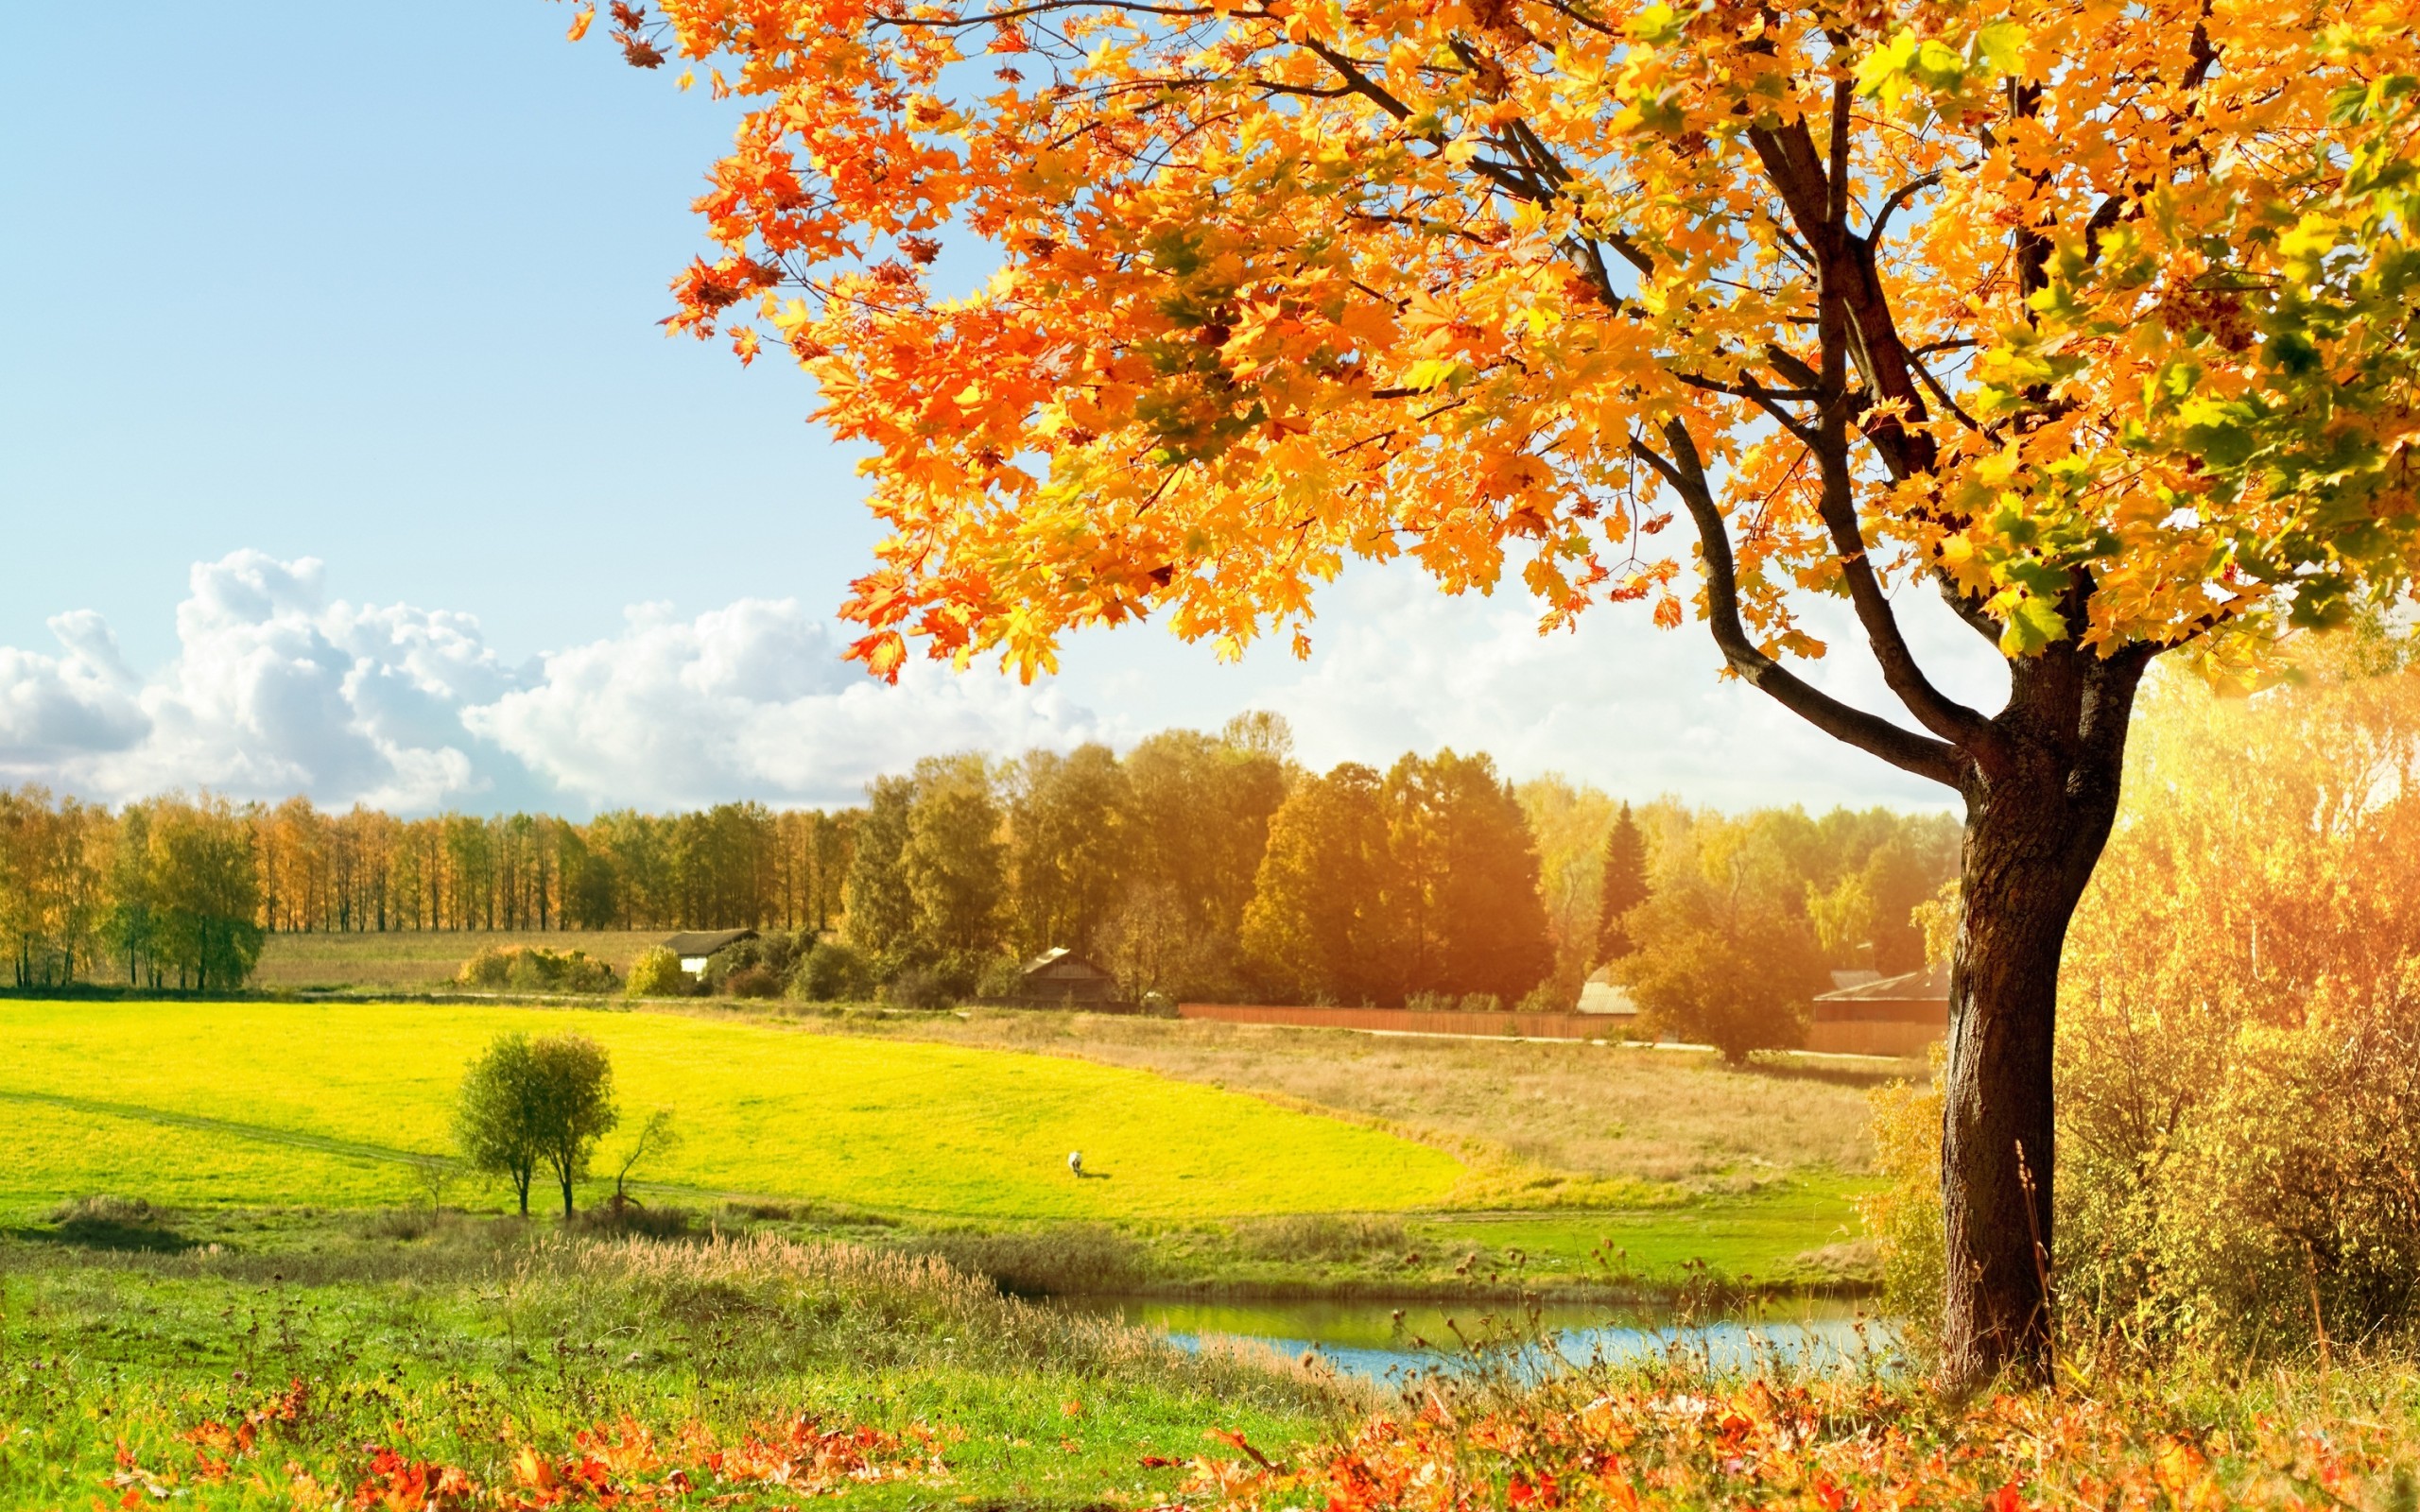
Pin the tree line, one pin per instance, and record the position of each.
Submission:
(1193, 865)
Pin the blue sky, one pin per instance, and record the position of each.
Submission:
(341, 453)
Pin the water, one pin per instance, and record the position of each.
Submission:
(1378, 1341)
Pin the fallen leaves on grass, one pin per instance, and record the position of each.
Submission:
(619, 1465)
(1820, 1447)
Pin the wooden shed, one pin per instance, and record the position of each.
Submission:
(1060, 978)
(696, 947)
(1886, 1016)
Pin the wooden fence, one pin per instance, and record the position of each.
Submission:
(1502, 1025)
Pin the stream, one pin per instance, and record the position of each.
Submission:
(1379, 1341)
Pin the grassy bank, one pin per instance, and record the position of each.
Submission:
(757, 1369)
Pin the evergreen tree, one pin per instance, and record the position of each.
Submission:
(1624, 888)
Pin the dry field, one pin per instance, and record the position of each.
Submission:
(1610, 1111)
(418, 960)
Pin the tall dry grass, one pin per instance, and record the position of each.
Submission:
(1611, 1112)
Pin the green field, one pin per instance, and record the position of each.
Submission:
(251, 1104)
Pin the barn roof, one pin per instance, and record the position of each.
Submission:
(1066, 963)
(1931, 984)
(691, 942)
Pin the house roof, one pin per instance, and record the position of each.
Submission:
(1061, 961)
(1842, 981)
(691, 942)
(1597, 995)
(1931, 984)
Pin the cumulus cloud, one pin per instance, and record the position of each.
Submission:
(752, 700)
(276, 688)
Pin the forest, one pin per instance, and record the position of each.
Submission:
(1197, 865)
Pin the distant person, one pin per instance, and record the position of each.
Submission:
(1075, 1163)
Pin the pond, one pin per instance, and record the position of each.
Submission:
(1381, 1340)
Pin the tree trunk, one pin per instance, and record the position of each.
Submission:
(2038, 811)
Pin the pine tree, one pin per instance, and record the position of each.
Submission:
(1624, 888)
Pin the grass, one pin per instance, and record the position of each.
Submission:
(306, 1098)
(256, 1379)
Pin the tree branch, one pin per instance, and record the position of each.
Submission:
(1877, 736)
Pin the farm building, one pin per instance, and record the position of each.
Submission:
(696, 947)
(1060, 978)
(1602, 994)
(1882, 1015)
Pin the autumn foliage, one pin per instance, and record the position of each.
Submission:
(1280, 282)
(619, 1463)
(1823, 1446)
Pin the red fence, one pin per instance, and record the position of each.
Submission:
(1407, 1021)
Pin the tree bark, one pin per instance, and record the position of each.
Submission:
(2041, 794)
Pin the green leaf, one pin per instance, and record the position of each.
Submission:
(2033, 623)
(2001, 47)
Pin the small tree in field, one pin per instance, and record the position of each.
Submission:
(530, 1105)
(659, 1136)
(2095, 319)
(494, 1121)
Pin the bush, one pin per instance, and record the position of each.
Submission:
(1001, 978)
(833, 972)
(752, 982)
(916, 988)
(1904, 1213)
(535, 969)
(657, 975)
(2240, 1185)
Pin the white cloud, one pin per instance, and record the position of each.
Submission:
(276, 689)
(1615, 702)
(752, 700)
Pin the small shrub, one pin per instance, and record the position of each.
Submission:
(833, 972)
(1482, 1003)
(1430, 1002)
(916, 988)
(488, 969)
(657, 975)
(1001, 978)
(1546, 998)
(103, 1208)
(1903, 1214)
(104, 1222)
(752, 982)
(535, 969)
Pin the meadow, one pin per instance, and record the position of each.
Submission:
(332, 1102)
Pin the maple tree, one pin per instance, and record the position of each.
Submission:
(2093, 317)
